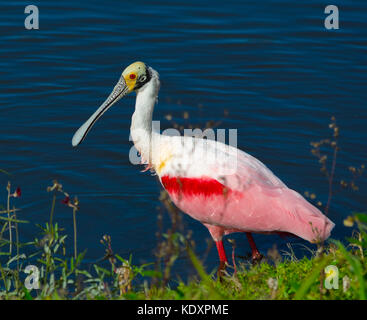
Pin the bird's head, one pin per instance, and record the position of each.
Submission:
(134, 77)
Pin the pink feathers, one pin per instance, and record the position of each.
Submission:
(258, 208)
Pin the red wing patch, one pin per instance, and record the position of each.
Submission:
(194, 186)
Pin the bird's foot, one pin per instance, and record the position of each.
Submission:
(221, 270)
(256, 257)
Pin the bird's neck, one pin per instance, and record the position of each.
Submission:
(141, 122)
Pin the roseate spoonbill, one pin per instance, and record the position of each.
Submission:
(225, 188)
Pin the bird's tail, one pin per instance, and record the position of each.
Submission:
(309, 222)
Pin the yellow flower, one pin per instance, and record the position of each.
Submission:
(349, 221)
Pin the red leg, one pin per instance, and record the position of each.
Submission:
(256, 255)
(221, 252)
(222, 257)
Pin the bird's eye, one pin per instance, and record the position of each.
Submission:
(132, 76)
(143, 78)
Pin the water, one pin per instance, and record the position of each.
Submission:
(280, 74)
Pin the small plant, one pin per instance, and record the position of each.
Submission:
(321, 150)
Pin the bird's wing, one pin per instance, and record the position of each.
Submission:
(260, 201)
(193, 157)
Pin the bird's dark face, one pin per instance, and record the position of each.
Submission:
(133, 78)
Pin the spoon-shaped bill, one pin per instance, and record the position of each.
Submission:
(120, 90)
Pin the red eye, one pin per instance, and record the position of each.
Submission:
(132, 76)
